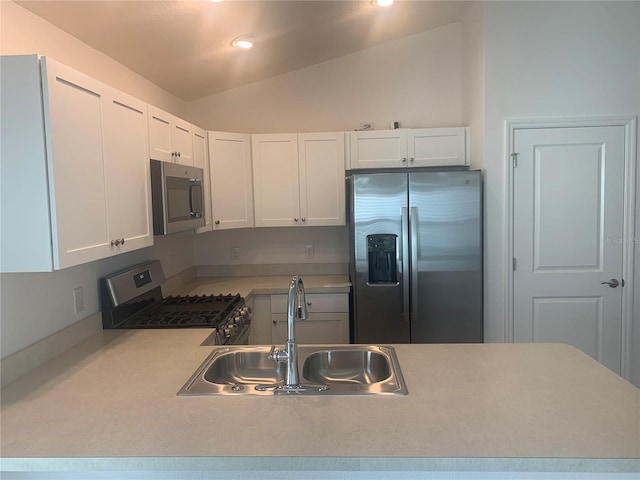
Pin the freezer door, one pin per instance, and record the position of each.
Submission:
(378, 248)
(445, 212)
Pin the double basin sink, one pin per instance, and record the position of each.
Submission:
(345, 370)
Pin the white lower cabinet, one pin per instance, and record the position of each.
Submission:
(75, 168)
(328, 320)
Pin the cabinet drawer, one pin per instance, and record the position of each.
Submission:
(316, 302)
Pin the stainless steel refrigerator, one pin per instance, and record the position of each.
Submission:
(416, 257)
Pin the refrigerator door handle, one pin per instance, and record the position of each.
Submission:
(413, 228)
(405, 265)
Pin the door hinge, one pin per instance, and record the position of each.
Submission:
(514, 264)
(514, 158)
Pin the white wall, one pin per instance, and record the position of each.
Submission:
(415, 80)
(550, 59)
(22, 32)
(263, 246)
(472, 81)
(35, 305)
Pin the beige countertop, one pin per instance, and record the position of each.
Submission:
(262, 285)
(110, 403)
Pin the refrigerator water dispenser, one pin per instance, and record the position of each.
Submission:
(381, 252)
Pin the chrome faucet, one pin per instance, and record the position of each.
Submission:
(296, 309)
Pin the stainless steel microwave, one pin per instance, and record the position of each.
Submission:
(177, 196)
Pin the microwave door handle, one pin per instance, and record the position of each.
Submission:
(192, 194)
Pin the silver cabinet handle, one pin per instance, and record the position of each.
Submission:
(295, 219)
(411, 160)
(122, 241)
(217, 222)
(303, 219)
(613, 283)
(403, 160)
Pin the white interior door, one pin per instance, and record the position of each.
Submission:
(568, 238)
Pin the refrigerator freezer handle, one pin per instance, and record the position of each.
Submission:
(413, 228)
(405, 264)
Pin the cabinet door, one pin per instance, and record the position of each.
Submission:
(321, 171)
(126, 150)
(319, 328)
(76, 167)
(201, 160)
(432, 147)
(328, 320)
(160, 135)
(275, 180)
(231, 180)
(378, 149)
(181, 142)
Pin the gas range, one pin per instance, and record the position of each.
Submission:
(133, 299)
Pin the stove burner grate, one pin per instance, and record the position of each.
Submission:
(185, 311)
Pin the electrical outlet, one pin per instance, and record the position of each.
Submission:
(308, 251)
(78, 299)
(367, 126)
(235, 253)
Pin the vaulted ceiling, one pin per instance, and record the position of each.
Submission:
(185, 47)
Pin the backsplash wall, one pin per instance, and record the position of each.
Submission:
(259, 246)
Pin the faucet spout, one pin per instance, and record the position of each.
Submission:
(296, 309)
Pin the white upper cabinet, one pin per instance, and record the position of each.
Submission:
(321, 173)
(126, 154)
(378, 148)
(201, 160)
(299, 179)
(415, 147)
(170, 138)
(231, 180)
(91, 157)
(77, 185)
(275, 180)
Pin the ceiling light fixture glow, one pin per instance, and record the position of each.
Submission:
(382, 3)
(243, 41)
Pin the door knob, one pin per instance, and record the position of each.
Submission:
(613, 283)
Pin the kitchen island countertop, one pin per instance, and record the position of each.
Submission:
(110, 403)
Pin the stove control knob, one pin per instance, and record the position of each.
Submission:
(238, 320)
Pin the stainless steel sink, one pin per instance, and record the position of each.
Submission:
(345, 369)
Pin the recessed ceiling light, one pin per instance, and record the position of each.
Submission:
(243, 41)
(382, 3)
